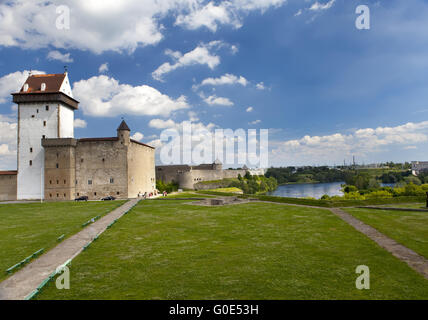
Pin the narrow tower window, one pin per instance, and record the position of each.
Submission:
(31, 162)
(31, 149)
(47, 108)
(44, 123)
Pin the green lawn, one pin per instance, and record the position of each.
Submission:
(406, 227)
(408, 205)
(172, 250)
(26, 228)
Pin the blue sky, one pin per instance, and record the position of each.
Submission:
(326, 90)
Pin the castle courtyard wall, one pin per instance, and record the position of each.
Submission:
(8, 186)
(141, 169)
(101, 169)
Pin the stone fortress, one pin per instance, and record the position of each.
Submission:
(188, 176)
(53, 165)
(418, 166)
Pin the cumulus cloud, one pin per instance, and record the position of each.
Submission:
(255, 122)
(8, 134)
(13, 82)
(361, 142)
(227, 79)
(103, 68)
(79, 123)
(56, 55)
(201, 55)
(249, 109)
(103, 25)
(138, 136)
(161, 124)
(219, 101)
(211, 15)
(317, 6)
(260, 86)
(106, 97)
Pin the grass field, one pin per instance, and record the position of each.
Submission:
(408, 205)
(173, 250)
(406, 227)
(26, 228)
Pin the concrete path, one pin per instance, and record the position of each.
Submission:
(414, 260)
(26, 280)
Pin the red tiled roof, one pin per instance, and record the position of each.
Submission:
(53, 83)
(8, 173)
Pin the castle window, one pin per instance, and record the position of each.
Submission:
(50, 181)
(64, 195)
(89, 181)
(47, 108)
(50, 195)
(57, 182)
(76, 181)
(81, 160)
(31, 149)
(57, 165)
(111, 180)
(31, 162)
(37, 110)
(95, 193)
(104, 159)
(57, 195)
(65, 181)
(78, 194)
(43, 137)
(118, 193)
(32, 116)
(44, 123)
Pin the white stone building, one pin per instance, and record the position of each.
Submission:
(418, 166)
(45, 110)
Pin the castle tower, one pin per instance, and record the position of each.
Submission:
(45, 110)
(123, 133)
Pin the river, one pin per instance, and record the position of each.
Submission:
(313, 190)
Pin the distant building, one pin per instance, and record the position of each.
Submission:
(53, 165)
(418, 166)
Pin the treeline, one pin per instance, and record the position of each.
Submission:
(168, 187)
(305, 174)
(254, 184)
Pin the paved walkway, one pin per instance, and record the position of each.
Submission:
(414, 260)
(26, 280)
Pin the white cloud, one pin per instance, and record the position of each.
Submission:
(361, 142)
(138, 136)
(298, 13)
(249, 109)
(260, 86)
(255, 122)
(8, 134)
(106, 97)
(320, 6)
(79, 123)
(56, 55)
(103, 25)
(12, 83)
(161, 124)
(103, 68)
(211, 15)
(227, 79)
(201, 55)
(220, 101)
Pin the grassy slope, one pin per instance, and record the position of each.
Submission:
(171, 250)
(26, 228)
(407, 228)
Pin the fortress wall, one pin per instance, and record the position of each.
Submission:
(141, 170)
(171, 173)
(98, 162)
(8, 185)
(60, 172)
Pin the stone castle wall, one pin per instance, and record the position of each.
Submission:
(8, 186)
